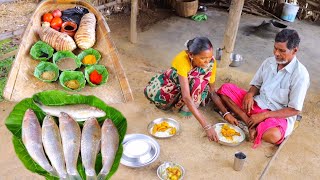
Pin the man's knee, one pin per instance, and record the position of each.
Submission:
(272, 135)
(226, 87)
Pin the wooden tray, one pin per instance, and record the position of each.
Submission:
(21, 82)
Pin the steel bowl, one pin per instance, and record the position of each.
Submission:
(162, 172)
(236, 60)
(139, 150)
(170, 121)
(222, 140)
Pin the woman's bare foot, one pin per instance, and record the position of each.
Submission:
(252, 134)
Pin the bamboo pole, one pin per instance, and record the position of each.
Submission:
(231, 30)
(133, 23)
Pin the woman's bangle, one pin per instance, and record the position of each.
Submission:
(224, 115)
(207, 127)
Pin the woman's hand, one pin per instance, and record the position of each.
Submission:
(231, 119)
(212, 135)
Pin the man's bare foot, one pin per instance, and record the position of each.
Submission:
(252, 134)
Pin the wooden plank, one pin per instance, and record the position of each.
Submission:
(231, 30)
(11, 34)
(10, 54)
(133, 23)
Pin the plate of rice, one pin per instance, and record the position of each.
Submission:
(229, 134)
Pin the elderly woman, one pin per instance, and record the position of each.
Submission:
(188, 82)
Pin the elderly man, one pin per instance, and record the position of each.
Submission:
(276, 95)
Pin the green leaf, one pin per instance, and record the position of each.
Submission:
(59, 55)
(59, 98)
(41, 51)
(44, 67)
(101, 70)
(89, 51)
(72, 75)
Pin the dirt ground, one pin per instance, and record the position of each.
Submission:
(201, 159)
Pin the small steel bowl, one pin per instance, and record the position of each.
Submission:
(170, 121)
(162, 172)
(236, 60)
(222, 140)
(139, 150)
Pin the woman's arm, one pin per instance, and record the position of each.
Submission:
(217, 101)
(185, 91)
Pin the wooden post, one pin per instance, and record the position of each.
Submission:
(133, 23)
(230, 33)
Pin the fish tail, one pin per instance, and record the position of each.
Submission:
(94, 177)
(53, 172)
(101, 176)
(75, 177)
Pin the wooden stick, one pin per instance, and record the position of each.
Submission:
(264, 11)
(231, 30)
(109, 4)
(133, 23)
(264, 172)
(10, 34)
(9, 54)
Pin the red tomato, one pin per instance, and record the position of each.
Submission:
(56, 23)
(47, 17)
(57, 13)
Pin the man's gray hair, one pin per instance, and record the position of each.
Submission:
(290, 36)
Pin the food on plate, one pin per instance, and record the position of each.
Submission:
(41, 51)
(66, 60)
(47, 17)
(90, 146)
(72, 84)
(85, 36)
(89, 59)
(31, 137)
(56, 13)
(53, 145)
(163, 127)
(56, 23)
(109, 146)
(96, 75)
(228, 132)
(173, 173)
(70, 135)
(79, 112)
(59, 41)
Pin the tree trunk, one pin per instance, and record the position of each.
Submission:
(230, 33)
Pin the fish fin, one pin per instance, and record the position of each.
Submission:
(75, 177)
(102, 176)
